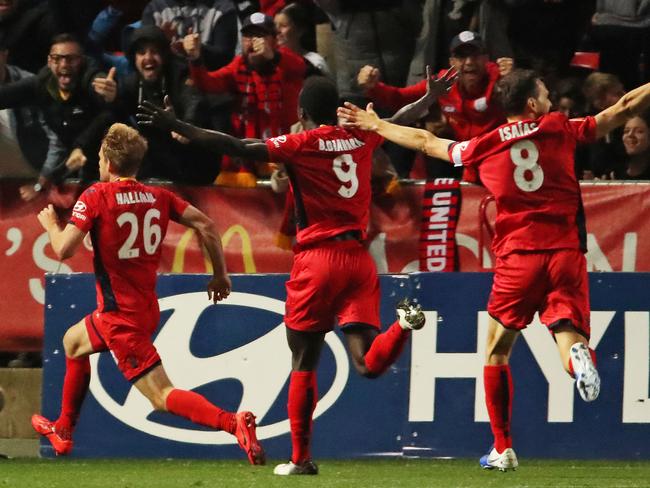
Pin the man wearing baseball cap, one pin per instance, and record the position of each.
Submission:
(265, 79)
(466, 105)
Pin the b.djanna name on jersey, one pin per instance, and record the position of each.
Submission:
(430, 403)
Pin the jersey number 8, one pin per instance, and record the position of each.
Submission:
(151, 234)
(528, 175)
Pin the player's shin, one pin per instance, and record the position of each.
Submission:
(75, 387)
(199, 410)
(303, 396)
(498, 398)
(386, 348)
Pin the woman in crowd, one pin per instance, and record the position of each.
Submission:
(293, 23)
(636, 140)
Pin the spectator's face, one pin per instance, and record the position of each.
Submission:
(6, 8)
(471, 64)
(607, 99)
(65, 63)
(148, 62)
(287, 33)
(636, 136)
(566, 106)
(247, 41)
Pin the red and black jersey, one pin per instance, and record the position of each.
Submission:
(329, 169)
(127, 222)
(528, 166)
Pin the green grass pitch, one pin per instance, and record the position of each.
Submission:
(71, 473)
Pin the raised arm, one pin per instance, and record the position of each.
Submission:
(629, 105)
(64, 241)
(252, 149)
(220, 284)
(409, 137)
(436, 87)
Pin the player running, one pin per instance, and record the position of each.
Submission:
(127, 222)
(527, 164)
(333, 275)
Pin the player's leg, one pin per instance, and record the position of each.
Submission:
(305, 348)
(517, 292)
(358, 313)
(77, 346)
(155, 385)
(566, 311)
(499, 389)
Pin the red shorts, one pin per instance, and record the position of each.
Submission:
(128, 337)
(553, 283)
(333, 280)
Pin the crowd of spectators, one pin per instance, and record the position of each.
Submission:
(68, 69)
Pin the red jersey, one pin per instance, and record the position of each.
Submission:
(528, 166)
(329, 170)
(127, 222)
(467, 117)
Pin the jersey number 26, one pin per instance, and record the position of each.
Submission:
(151, 233)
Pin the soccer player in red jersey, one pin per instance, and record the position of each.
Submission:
(527, 164)
(333, 275)
(127, 221)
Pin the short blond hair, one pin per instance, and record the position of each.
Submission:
(124, 147)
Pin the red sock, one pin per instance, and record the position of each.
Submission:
(592, 353)
(303, 396)
(386, 348)
(75, 386)
(498, 398)
(199, 410)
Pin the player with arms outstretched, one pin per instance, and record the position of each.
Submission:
(127, 222)
(539, 242)
(333, 275)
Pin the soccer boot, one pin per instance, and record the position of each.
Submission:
(286, 469)
(410, 315)
(585, 373)
(62, 444)
(247, 439)
(503, 462)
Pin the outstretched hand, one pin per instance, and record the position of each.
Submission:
(219, 288)
(358, 118)
(150, 115)
(437, 87)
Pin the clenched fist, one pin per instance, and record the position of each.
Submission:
(368, 77)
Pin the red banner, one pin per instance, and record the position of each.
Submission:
(249, 219)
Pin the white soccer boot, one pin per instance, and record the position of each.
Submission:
(410, 315)
(503, 462)
(585, 373)
(287, 469)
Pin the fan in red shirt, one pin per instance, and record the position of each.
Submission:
(127, 222)
(265, 80)
(468, 106)
(333, 276)
(528, 166)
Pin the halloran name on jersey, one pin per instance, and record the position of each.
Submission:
(517, 130)
(134, 197)
(339, 144)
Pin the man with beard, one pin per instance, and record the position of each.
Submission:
(468, 107)
(63, 90)
(158, 75)
(265, 80)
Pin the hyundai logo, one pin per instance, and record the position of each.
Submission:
(262, 380)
